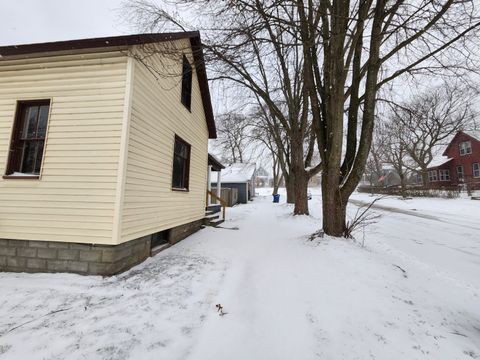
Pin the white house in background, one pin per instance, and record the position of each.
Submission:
(239, 176)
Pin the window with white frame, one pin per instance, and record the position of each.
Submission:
(465, 147)
(460, 173)
(476, 170)
(444, 175)
(432, 175)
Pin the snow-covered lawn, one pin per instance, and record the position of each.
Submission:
(413, 292)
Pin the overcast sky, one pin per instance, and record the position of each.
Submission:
(30, 21)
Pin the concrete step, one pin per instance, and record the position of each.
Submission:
(212, 216)
(216, 222)
(215, 208)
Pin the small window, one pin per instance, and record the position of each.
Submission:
(28, 138)
(432, 175)
(444, 175)
(181, 164)
(465, 147)
(186, 83)
(460, 173)
(476, 170)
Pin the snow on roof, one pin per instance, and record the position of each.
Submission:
(238, 172)
(473, 133)
(438, 160)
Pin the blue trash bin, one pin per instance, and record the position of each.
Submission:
(276, 198)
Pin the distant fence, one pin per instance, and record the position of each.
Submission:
(450, 192)
(228, 194)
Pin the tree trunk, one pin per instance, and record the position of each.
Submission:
(425, 178)
(301, 198)
(290, 187)
(300, 176)
(334, 209)
(403, 185)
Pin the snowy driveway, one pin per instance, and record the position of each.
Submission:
(286, 298)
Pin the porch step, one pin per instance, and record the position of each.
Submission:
(215, 208)
(212, 219)
(216, 222)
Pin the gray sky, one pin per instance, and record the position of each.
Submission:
(30, 21)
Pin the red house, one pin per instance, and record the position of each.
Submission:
(460, 163)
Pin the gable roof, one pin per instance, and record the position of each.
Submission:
(238, 172)
(125, 41)
(475, 134)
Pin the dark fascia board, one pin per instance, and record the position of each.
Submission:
(216, 165)
(125, 41)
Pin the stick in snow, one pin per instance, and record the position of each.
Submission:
(403, 271)
(30, 321)
(220, 310)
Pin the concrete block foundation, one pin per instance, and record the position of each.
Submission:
(87, 259)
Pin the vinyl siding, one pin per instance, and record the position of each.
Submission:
(157, 114)
(74, 199)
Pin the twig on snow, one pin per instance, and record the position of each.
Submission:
(403, 270)
(30, 321)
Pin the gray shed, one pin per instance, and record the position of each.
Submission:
(241, 177)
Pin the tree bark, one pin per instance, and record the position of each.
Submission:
(290, 187)
(334, 210)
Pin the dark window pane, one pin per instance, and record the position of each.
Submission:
(38, 158)
(28, 163)
(178, 172)
(186, 83)
(181, 163)
(30, 122)
(42, 121)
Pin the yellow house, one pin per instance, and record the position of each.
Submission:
(103, 150)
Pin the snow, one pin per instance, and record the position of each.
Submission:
(238, 172)
(23, 174)
(438, 160)
(412, 292)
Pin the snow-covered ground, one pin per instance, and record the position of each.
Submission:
(413, 292)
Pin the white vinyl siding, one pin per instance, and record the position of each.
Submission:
(150, 205)
(74, 198)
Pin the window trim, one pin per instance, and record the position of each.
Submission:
(16, 128)
(187, 175)
(458, 173)
(460, 147)
(187, 104)
(445, 173)
(473, 170)
(432, 178)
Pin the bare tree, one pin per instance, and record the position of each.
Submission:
(340, 54)
(248, 48)
(429, 120)
(233, 133)
(351, 50)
